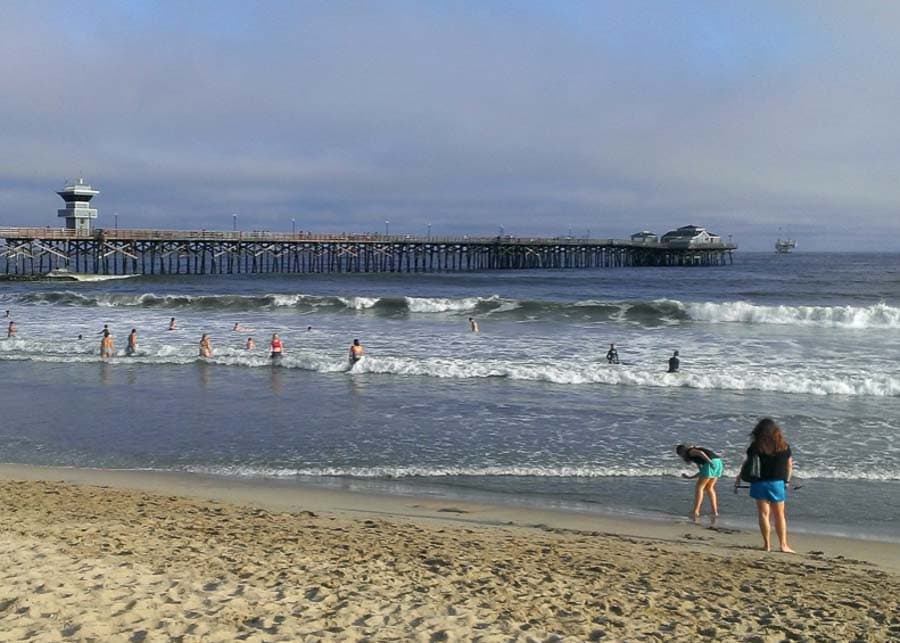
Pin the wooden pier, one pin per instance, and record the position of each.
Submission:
(36, 251)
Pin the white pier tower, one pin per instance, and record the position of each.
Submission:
(78, 211)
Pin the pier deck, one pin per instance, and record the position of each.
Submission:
(38, 250)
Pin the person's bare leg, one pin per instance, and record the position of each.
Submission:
(781, 527)
(698, 498)
(713, 499)
(762, 513)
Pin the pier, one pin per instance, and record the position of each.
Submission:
(40, 250)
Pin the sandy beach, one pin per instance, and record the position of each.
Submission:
(115, 556)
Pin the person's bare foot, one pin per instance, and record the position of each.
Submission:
(787, 550)
(695, 518)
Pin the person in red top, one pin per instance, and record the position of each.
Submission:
(276, 346)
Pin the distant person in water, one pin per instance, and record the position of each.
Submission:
(172, 324)
(205, 349)
(612, 355)
(249, 344)
(473, 324)
(131, 348)
(710, 468)
(276, 347)
(106, 345)
(11, 329)
(308, 328)
(673, 363)
(356, 352)
(105, 329)
(7, 314)
(79, 336)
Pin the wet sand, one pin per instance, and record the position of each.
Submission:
(109, 556)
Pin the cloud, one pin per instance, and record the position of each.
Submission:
(609, 117)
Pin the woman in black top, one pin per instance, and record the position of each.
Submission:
(776, 465)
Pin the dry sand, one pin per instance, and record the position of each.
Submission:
(137, 563)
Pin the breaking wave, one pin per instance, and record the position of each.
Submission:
(650, 313)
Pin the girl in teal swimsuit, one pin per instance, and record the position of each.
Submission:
(710, 467)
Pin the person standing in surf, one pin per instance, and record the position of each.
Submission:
(276, 348)
(612, 355)
(131, 349)
(205, 348)
(710, 469)
(106, 345)
(172, 324)
(11, 329)
(473, 324)
(775, 467)
(674, 363)
(356, 352)
(249, 345)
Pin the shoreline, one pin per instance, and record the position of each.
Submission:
(105, 555)
(291, 496)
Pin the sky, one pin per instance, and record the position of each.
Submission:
(752, 119)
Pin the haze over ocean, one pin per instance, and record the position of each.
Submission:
(525, 412)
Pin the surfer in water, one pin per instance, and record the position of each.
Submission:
(132, 342)
(356, 352)
(673, 363)
(710, 467)
(276, 348)
(612, 355)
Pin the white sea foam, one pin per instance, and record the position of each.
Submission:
(875, 316)
(521, 471)
(359, 303)
(441, 304)
(566, 372)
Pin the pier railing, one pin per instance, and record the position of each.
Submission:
(143, 234)
(38, 250)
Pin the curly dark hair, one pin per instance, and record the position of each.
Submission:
(767, 437)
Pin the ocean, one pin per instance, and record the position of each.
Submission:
(525, 412)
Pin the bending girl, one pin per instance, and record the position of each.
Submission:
(709, 467)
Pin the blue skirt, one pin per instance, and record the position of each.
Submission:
(771, 490)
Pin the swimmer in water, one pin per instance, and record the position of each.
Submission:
(473, 324)
(205, 349)
(132, 342)
(11, 329)
(249, 344)
(106, 345)
(356, 352)
(673, 363)
(612, 355)
(276, 347)
(172, 324)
